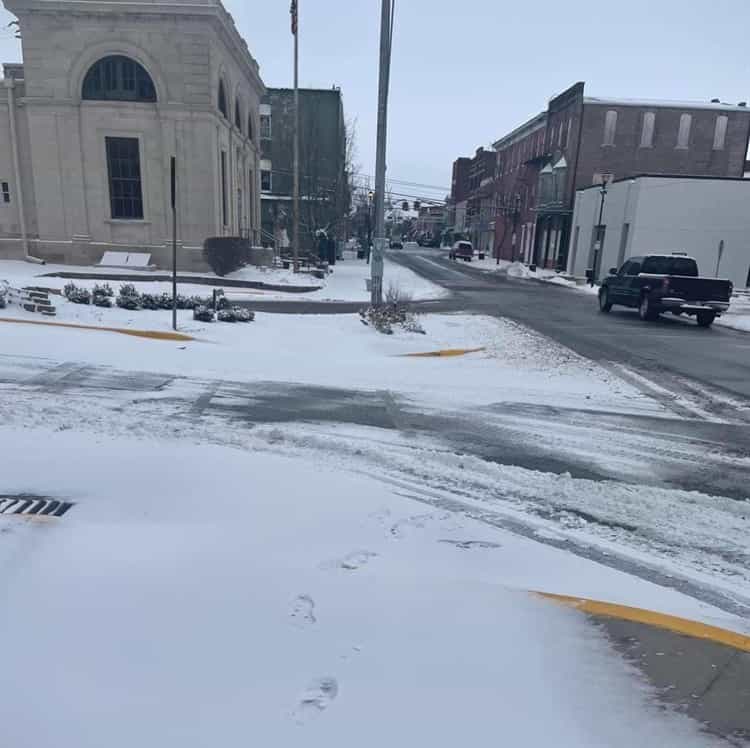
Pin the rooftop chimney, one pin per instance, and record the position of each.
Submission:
(716, 101)
(742, 103)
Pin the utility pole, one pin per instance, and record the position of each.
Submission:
(386, 40)
(173, 185)
(599, 242)
(294, 11)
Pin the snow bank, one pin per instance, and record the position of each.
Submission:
(738, 316)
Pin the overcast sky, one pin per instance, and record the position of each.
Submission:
(464, 73)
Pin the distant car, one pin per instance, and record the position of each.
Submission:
(462, 250)
(665, 283)
(396, 244)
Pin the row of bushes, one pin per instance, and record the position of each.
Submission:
(204, 313)
(130, 298)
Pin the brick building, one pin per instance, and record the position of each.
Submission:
(455, 217)
(324, 187)
(580, 140)
(471, 212)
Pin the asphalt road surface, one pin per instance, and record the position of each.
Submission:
(671, 346)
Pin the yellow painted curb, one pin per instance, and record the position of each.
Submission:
(444, 353)
(652, 618)
(153, 334)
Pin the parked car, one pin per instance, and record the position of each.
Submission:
(396, 244)
(461, 250)
(665, 283)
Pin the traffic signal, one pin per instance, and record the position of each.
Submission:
(417, 205)
(405, 206)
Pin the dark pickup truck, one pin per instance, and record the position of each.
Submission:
(665, 283)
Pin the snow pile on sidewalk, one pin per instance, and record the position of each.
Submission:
(519, 270)
(251, 599)
(738, 316)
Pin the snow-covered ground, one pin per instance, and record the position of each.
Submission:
(345, 283)
(200, 595)
(516, 364)
(738, 316)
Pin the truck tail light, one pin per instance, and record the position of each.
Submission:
(665, 284)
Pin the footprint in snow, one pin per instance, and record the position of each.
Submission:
(353, 561)
(316, 699)
(303, 610)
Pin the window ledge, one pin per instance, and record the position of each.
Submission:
(128, 221)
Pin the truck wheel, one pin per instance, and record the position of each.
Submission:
(706, 319)
(604, 303)
(645, 310)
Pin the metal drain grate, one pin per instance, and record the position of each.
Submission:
(33, 506)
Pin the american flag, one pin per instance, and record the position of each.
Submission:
(293, 12)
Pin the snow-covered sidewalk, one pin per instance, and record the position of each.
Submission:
(201, 595)
(347, 282)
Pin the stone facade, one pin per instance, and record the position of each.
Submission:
(62, 137)
(324, 188)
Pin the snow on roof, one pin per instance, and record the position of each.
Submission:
(664, 103)
(561, 164)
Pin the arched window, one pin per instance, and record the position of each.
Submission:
(237, 116)
(118, 78)
(223, 100)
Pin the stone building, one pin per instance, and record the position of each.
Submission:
(106, 95)
(582, 140)
(324, 182)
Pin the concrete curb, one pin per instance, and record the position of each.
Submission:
(151, 334)
(678, 625)
(445, 353)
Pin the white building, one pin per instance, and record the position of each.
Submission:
(706, 217)
(107, 94)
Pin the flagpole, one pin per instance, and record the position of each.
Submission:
(295, 199)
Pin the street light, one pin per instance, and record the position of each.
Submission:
(599, 243)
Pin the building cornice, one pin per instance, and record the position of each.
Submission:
(211, 10)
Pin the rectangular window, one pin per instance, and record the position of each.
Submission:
(720, 133)
(224, 217)
(647, 132)
(265, 126)
(610, 127)
(683, 134)
(265, 180)
(6, 192)
(124, 166)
